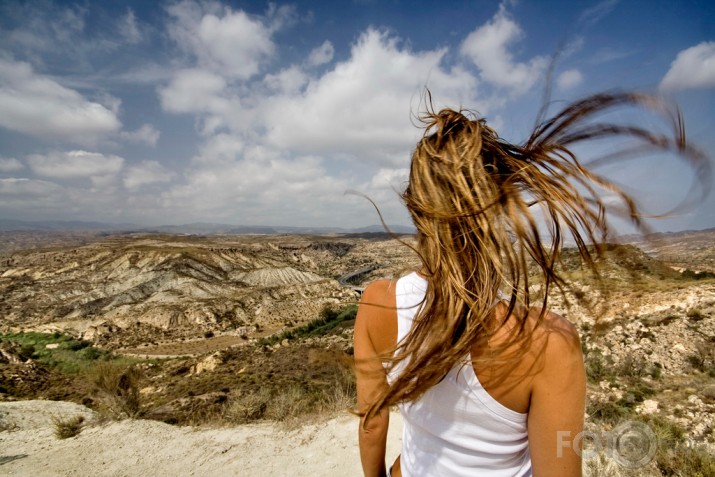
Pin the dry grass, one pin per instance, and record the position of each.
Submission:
(66, 427)
(116, 388)
(6, 424)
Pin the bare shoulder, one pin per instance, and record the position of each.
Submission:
(377, 292)
(376, 318)
(557, 336)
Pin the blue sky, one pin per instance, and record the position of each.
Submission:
(266, 113)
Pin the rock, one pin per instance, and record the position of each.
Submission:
(207, 364)
(648, 406)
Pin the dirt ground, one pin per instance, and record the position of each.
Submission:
(142, 447)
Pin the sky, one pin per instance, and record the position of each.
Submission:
(257, 113)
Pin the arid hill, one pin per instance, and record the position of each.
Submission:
(234, 329)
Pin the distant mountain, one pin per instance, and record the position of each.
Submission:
(199, 228)
(56, 225)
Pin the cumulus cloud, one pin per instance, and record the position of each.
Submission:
(393, 179)
(75, 164)
(226, 41)
(33, 104)
(30, 198)
(145, 173)
(694, 67)
(22, 188)
(194, 91)
(10, 164)
(147, 134)
(264, 186)
(569, 78)
(271, 140)
(363, 104)
(289, 80)
(322, 54)
(487, 47)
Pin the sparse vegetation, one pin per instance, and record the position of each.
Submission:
(329, 319)
(691, 275)
(676, 455)
(6, 424)
(117, 389)
(66, 427)
(695, 314)
(67, 354)
(218, 372)
(703, 359)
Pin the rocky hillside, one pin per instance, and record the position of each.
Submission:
(130, 290)
(238, 316)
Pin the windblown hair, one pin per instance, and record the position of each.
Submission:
(486, 210)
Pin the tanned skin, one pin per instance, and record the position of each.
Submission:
(548, 383)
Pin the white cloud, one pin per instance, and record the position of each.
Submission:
(43, 26)
(487, 48)
(569, 78)
(36, 105)
(194, 91)
(363, 105)
(694, 67)
(322, 54)
(289, 80)
(145, 173)
(393, 179)
(220, 149)
(264, 186)
(128, 27)
(147, 134)
(75, 164)
(10, 164)
(19, 189)
(225, 41)
(597, 12)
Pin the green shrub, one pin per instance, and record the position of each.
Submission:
(609, 412)
(598, 367)
(676, 456)
(69, 356)
(328, 320)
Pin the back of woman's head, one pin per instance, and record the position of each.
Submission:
(490, 215)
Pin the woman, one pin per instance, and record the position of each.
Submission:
(488, 384)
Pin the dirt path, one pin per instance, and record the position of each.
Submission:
(139, 448)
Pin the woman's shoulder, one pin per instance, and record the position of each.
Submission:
(377, 318)
(554, 326)
(378, 290)
(557, 343)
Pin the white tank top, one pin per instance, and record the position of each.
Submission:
(456, 428)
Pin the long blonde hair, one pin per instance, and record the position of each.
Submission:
(472, 195)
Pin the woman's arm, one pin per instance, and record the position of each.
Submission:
(556, 409)
(370, 373)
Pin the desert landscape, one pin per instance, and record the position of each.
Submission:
(183, 354)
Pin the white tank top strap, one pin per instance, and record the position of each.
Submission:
(472, 433)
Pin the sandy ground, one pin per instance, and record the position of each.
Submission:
(150, 448)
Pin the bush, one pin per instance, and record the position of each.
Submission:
(67, 427)
(675, 456)
(695, 314)
(598, 367)
(328, 320)
(608, 412)
(118, 389)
